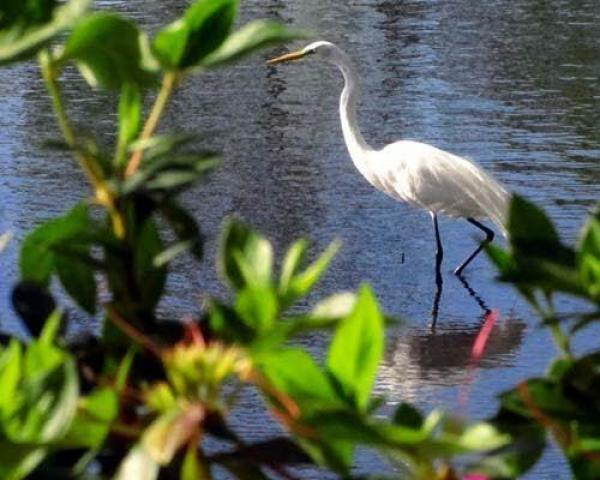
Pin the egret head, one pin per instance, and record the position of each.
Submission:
(324, 51)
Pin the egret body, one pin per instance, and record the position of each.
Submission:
(413, 172)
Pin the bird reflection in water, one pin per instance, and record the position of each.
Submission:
(435, 309)
(442, 353)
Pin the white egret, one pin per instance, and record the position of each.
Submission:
(413, 172)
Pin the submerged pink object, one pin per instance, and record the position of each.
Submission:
(483, 336)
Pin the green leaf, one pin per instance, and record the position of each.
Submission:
(589, 258)
(303, 282)
(245, 257)
(150, 278)
(26, 29)
(408, 416)
(481, 437)
(43, 410)
(257, 306)
(295, 373)
(227, 324)
(130, 118)
(108, 50)
(193, 467)
(251, 37)
(78, 279)
(95, 415)
(291, 263)
(202, 29)
(10, 374)
(527, 221)
(357, 349)
(336, 306)
(51, 329)
(37, 259)
(184, 225)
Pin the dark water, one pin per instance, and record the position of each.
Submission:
(513, 84)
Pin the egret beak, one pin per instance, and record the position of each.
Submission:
(288, 57)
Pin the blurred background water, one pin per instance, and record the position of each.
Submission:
(513, 84)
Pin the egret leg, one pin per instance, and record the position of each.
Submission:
(439, 256)
(489, 236)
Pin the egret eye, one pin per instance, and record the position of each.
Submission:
(311, 51)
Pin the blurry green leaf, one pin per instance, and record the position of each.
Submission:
(291, 263)
(295, 373)
(408, 416)
(227, 324)
(501, 258)
(170, 172)
(24, 29)
(130, 116)
(51, 329)
(10, 374)
(251, 37)
(244, 257)
(532, 234)
(257, 306)
(150, 278)
(168, 255)
(589, 258)
(336, 306)
(481, 437)
(78, 279)
(108, 50)
(527, 221)
(37, 251)
(357, 349)
(138, 464)
(41, 410)
(303, 282)
(194, 468)
(184, 226)
(203, 27)
(160, 398)
(95, 415)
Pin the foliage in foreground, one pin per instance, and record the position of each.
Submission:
(144, 398)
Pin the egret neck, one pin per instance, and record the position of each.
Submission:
(357, 146)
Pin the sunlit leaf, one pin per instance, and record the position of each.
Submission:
(357, 349)
(130, 117)
(257, 306)
(245, 257)
(301, 283)
(291, 263)
(95, 415)
(295, 373)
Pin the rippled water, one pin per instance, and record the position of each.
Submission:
(513, 84)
